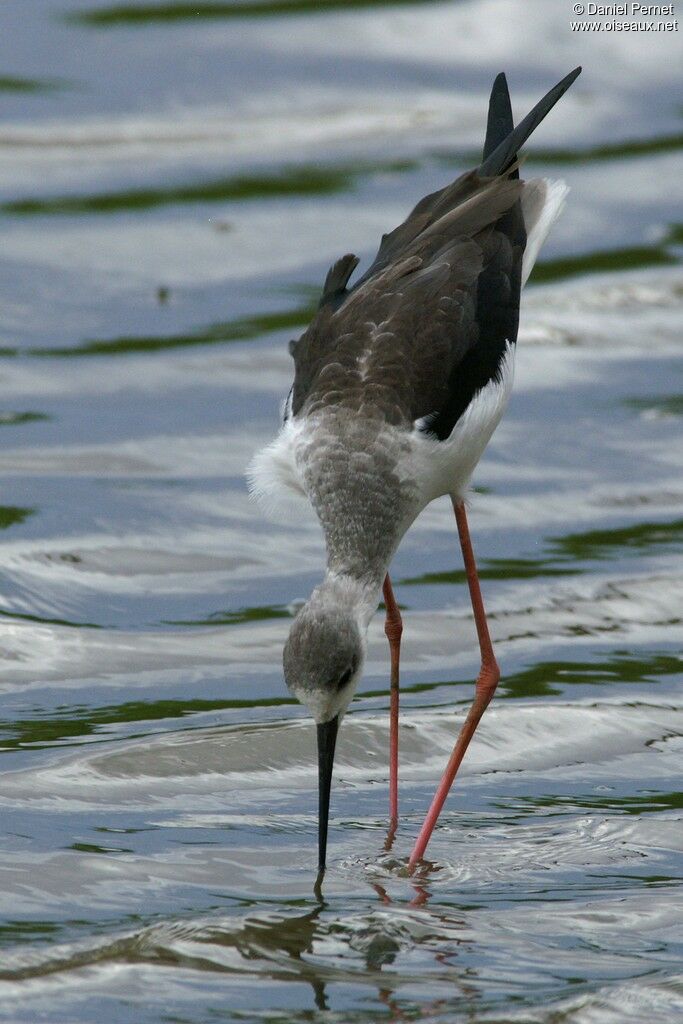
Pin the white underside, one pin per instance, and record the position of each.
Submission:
(542, 203)
(274, 474)
(437, 467)
(445, 467)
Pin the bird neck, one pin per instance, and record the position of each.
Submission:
(341, 592)
(351, 472)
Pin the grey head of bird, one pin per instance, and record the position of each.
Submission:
(323, 659)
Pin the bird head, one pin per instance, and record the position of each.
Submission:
(323, 659)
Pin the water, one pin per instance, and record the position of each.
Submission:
(172, 190)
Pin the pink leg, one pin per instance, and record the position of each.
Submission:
(487, 680)
(393, 627)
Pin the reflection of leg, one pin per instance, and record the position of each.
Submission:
(388, 997)
(393, 627)
(381, 892)
(420, 898)
(487, 680)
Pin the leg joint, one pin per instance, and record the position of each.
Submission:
(488, 679)
(394, 630)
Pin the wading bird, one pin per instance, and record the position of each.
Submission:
(399, 382)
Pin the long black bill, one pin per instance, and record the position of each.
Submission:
(327, 739)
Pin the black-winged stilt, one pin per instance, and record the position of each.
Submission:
(399, 383)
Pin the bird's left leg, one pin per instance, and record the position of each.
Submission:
(487, 680)
(393, 627)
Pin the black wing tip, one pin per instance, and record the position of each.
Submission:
(499, 82)
(568, 80)
(505, 152)
(499, 123)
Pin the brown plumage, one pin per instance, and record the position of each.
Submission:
(395, 340)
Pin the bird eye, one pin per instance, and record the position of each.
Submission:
(346, 677)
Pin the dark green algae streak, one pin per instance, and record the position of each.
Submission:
(296, 181)
(11, 515)
(310, 180)
(18, 84)
(154, 14)
(76, 724)
(242, 329)
(565, 554)
(252, 327)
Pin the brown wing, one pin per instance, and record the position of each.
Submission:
(393, 343)
(427, 325)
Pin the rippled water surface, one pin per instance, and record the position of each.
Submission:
(174, 181)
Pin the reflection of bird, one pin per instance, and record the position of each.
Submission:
(285, 944)
(399, 383)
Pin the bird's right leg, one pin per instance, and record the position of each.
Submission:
(393, 627)
(487, 680)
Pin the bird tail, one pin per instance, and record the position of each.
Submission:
(500, 150)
